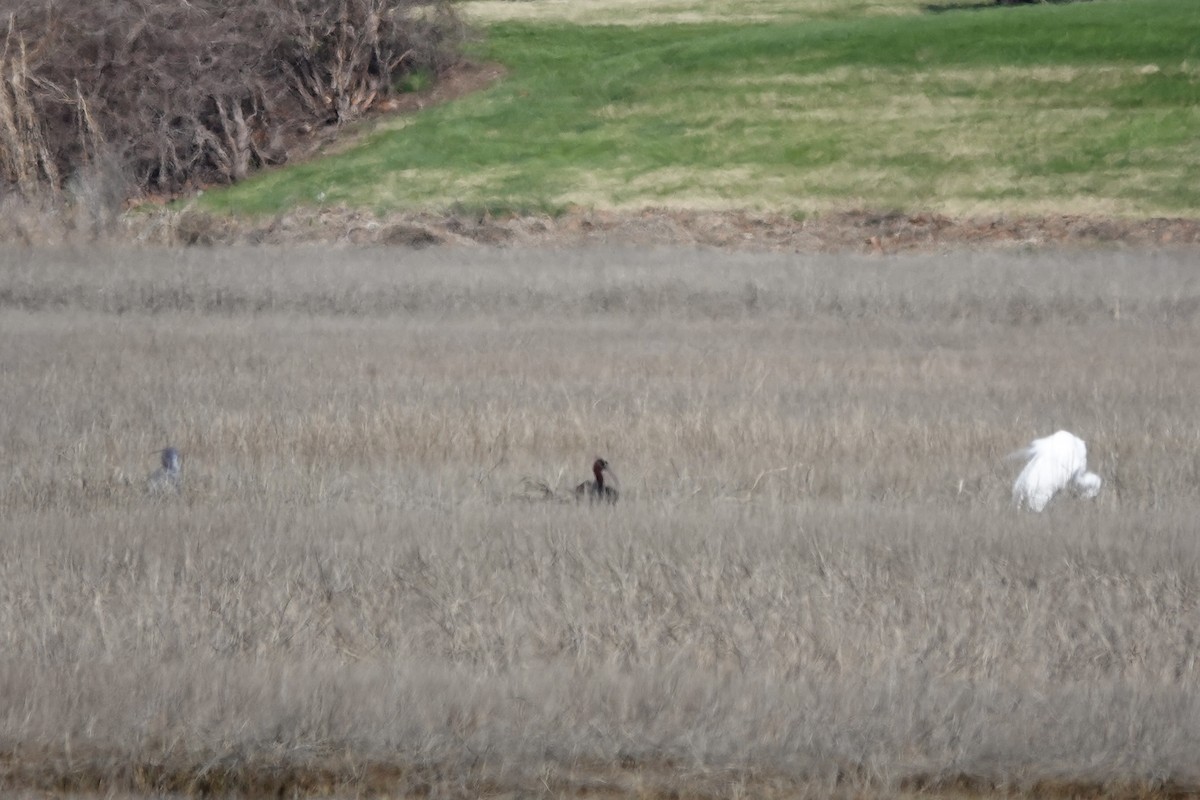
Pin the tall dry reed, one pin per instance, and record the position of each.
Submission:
(814, 580)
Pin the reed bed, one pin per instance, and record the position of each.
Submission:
(374, 580)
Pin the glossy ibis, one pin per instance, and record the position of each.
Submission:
(601, 489)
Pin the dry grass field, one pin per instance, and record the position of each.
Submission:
(813, 584)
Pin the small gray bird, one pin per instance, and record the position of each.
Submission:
(168, 478)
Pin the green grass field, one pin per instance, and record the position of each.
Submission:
(1084, 107)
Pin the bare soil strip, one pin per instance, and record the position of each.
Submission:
(851, 231)
(337, 777)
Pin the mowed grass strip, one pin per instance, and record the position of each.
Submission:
(1087, 107)
(643, 12)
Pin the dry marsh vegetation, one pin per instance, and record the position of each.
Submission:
(813, 583)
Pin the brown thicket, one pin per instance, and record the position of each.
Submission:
(184, 92)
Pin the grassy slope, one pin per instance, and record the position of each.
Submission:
(1085, 107)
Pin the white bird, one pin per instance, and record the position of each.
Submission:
(168, 477)
(1055, 462)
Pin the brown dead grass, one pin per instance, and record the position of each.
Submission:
(813, 585)
(845, 232)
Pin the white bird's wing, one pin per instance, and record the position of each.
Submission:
(1053, 463)
(1065, 449)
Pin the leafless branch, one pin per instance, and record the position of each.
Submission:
(196, 92)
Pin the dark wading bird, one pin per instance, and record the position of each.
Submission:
(169, 477)
(601, 489)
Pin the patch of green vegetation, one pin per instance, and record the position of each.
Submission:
(1087, 106)
(415, 81)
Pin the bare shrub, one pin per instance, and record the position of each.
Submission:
(341, 58)
(96, 193)
(25, 159)
(202, 91)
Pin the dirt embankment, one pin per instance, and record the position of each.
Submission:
(858, 231)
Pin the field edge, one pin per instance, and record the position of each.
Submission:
(861, 231)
